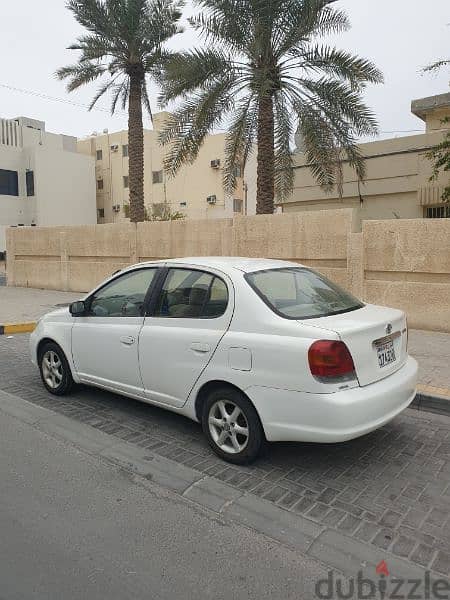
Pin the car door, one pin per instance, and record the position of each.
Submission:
(190, 315)
(105, 340)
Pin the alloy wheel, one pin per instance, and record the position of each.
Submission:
(52, 369)
(228, 426)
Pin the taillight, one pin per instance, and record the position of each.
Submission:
(329, 358)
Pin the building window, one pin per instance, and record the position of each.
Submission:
(99, 154)
(157, 176)
(237, 171)
(125, 150)
(99, 184)
(29, 179)
(237, 205)
(9, 183)
(101, 213)
(125, 181)
(438, 212)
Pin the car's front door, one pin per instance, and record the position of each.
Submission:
(105, 341)
(190, 316)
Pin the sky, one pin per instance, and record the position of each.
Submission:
(400, 36)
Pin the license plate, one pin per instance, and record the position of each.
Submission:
(386, 353)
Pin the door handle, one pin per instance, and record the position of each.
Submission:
(198, 347)
(128, 340)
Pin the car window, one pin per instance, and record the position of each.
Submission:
(192, 294)
(123, 297)
(298, 293)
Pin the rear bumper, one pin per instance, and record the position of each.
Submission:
(336, 417)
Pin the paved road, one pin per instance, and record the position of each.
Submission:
(73, 527)
(390, 488)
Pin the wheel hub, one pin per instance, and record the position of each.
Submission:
(228, 426)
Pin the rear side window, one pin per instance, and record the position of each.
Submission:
(192, 294)
(298, 293)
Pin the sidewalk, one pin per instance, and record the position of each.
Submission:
(19, 305)
(431, 349)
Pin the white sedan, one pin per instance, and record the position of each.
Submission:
(254, 349)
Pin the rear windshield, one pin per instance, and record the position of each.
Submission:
(298, 293)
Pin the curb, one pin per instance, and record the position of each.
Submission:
(332, 548)
(11, 328)
(439, 405)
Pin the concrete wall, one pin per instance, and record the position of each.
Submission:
(400, 263)
(406, 264)
(77, 258)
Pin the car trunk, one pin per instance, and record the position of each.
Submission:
(376, 337)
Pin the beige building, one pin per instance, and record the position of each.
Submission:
(43, 179)
(397, 182)
(196, 191)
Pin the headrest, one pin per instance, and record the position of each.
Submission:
(198, 295)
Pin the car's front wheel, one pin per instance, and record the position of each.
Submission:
(232, 426)
(55, 370)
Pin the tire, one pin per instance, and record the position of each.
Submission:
(232, 426)
(55, 370)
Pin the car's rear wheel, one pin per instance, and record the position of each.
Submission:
(55, 370)
(232, 426)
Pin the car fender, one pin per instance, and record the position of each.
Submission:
(58, 331)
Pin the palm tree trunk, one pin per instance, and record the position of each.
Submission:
(136, 149)
(265, 193)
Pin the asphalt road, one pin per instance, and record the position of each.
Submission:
(75, 527)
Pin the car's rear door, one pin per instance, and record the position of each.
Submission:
(188, 318)
(105, 340)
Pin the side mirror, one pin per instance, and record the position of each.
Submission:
(77, 309)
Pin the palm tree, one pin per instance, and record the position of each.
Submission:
(125, 42)
(262, 75)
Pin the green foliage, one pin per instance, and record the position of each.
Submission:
(255, 49)
(157, 212)
(440, 155)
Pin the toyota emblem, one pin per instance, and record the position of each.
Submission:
(388, 328)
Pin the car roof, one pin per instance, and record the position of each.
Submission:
(229, 263)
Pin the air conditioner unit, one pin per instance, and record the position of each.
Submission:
(211, 199)
(215, 164)
(114, 147)
(116, 207)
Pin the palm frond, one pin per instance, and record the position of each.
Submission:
(239, 140)
(188, 71)
(338, 64)
(80, 74)
(186, 128)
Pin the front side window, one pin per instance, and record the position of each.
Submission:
(192, 294)
(125, 150)
(99, 184)
(9, 183)
(123, 297)
(125, 181)
(99, 154)
(298, 293)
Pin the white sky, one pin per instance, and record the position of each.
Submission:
(400, 36)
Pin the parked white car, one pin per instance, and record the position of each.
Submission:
(253, 349)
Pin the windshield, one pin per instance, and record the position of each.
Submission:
(298, 293)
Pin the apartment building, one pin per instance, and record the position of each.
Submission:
(196, 191)
(44, 181)
(397, 182)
